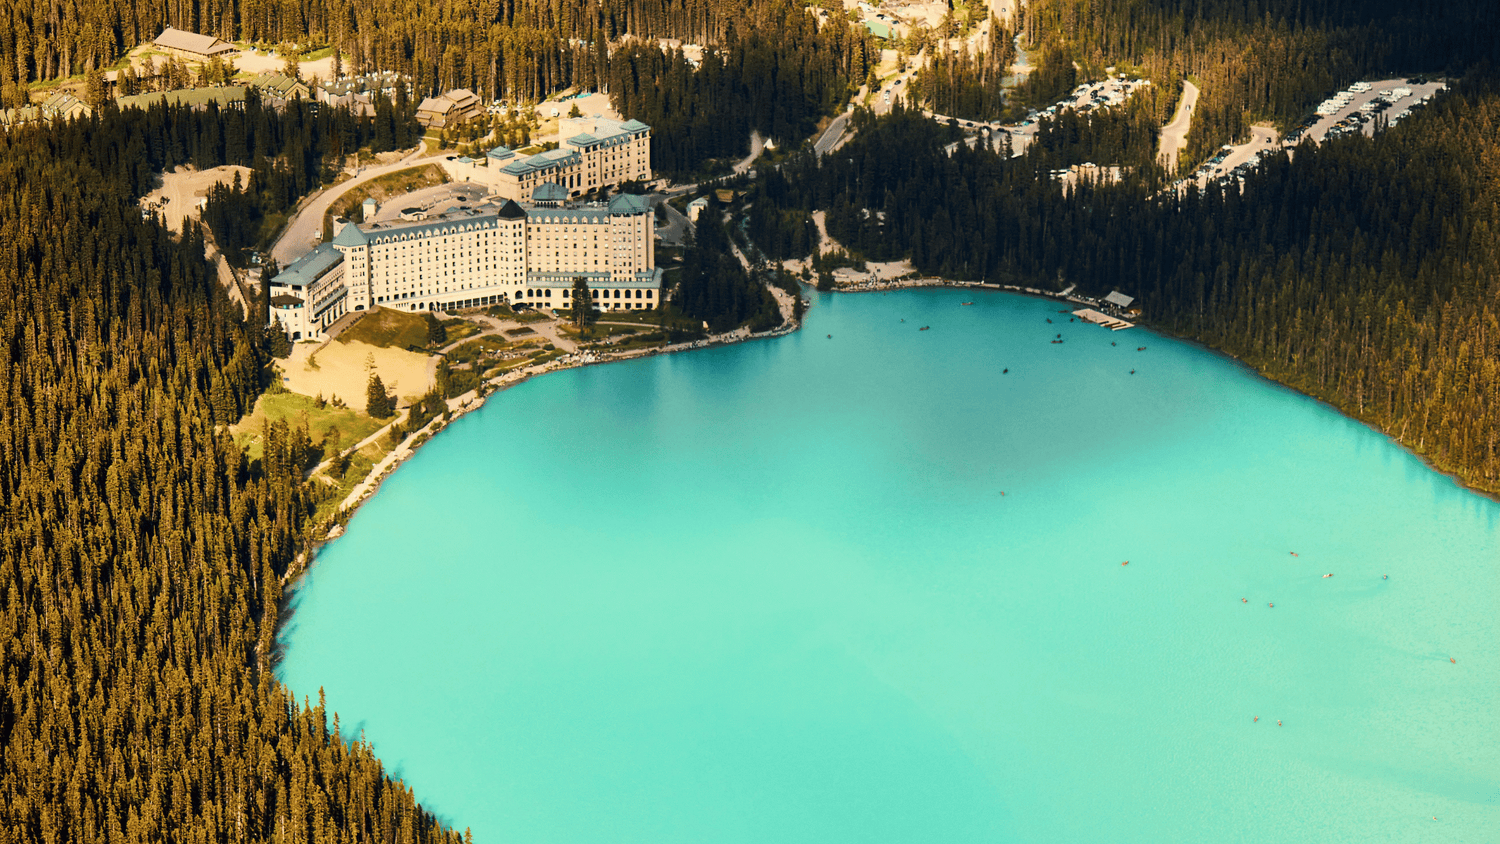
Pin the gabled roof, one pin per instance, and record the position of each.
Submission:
(1118, 298)
(17, 116)
(279, 84)
(440, 105)
(501, 153)
(64, 104)
(634, 126)
(549, 192)
(351, 236)
(461, 97)
(629, 203)
(192, 42)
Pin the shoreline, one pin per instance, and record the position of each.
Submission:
(333, 527)
(900, 284)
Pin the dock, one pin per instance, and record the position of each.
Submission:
(1105, 320)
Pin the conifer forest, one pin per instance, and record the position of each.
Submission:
(145, 558)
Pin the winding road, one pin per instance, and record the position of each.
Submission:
(305, 228)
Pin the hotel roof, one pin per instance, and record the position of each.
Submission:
(312, 266)
(609, 132)
(488, 217)
(548, 160)
(279, 85)
(351, 235)
(629, 203)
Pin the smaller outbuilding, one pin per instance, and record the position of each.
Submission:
(1118, 299)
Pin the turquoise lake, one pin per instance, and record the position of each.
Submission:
(868, 589)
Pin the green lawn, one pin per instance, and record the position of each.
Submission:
(472, 351)
(298, 411)
(389, 328)
(459, 329)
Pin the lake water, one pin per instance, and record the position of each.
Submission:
(869, 589)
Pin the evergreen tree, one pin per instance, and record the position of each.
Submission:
(437, 333)
(378, 403)
(583, 304)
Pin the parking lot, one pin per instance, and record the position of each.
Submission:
(1359, 108)
(1084, 99)
(1235, 161)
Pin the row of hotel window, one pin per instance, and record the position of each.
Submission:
(546, 293)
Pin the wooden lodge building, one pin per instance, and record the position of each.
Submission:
(191, 45)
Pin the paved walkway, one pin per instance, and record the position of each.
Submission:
(1174, 134)
(757, 146)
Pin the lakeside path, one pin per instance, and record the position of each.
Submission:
(1174, 134)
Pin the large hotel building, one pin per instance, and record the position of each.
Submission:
(595, 152)
(521, 253)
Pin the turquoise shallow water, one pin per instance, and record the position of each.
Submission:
(774, 592)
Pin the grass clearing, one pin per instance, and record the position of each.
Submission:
(472, 351)
(459, 329)
(332, 491)
(519, 332)
(388, 328)
(346, 424)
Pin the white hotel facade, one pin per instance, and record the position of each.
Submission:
(516, 253)
(594, 153)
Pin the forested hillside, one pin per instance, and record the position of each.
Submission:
(777, 72)
(1272, 59)
(517, 50)
(1365, 272)
(141, 556)
(961, 84)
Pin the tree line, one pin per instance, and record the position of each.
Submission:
(715, 287)
(777, 72)
(1365, 271)
(959, 83)
(520, 49)
(142, 555)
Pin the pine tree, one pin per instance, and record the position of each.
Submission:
(378, 403)
(583, 304)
